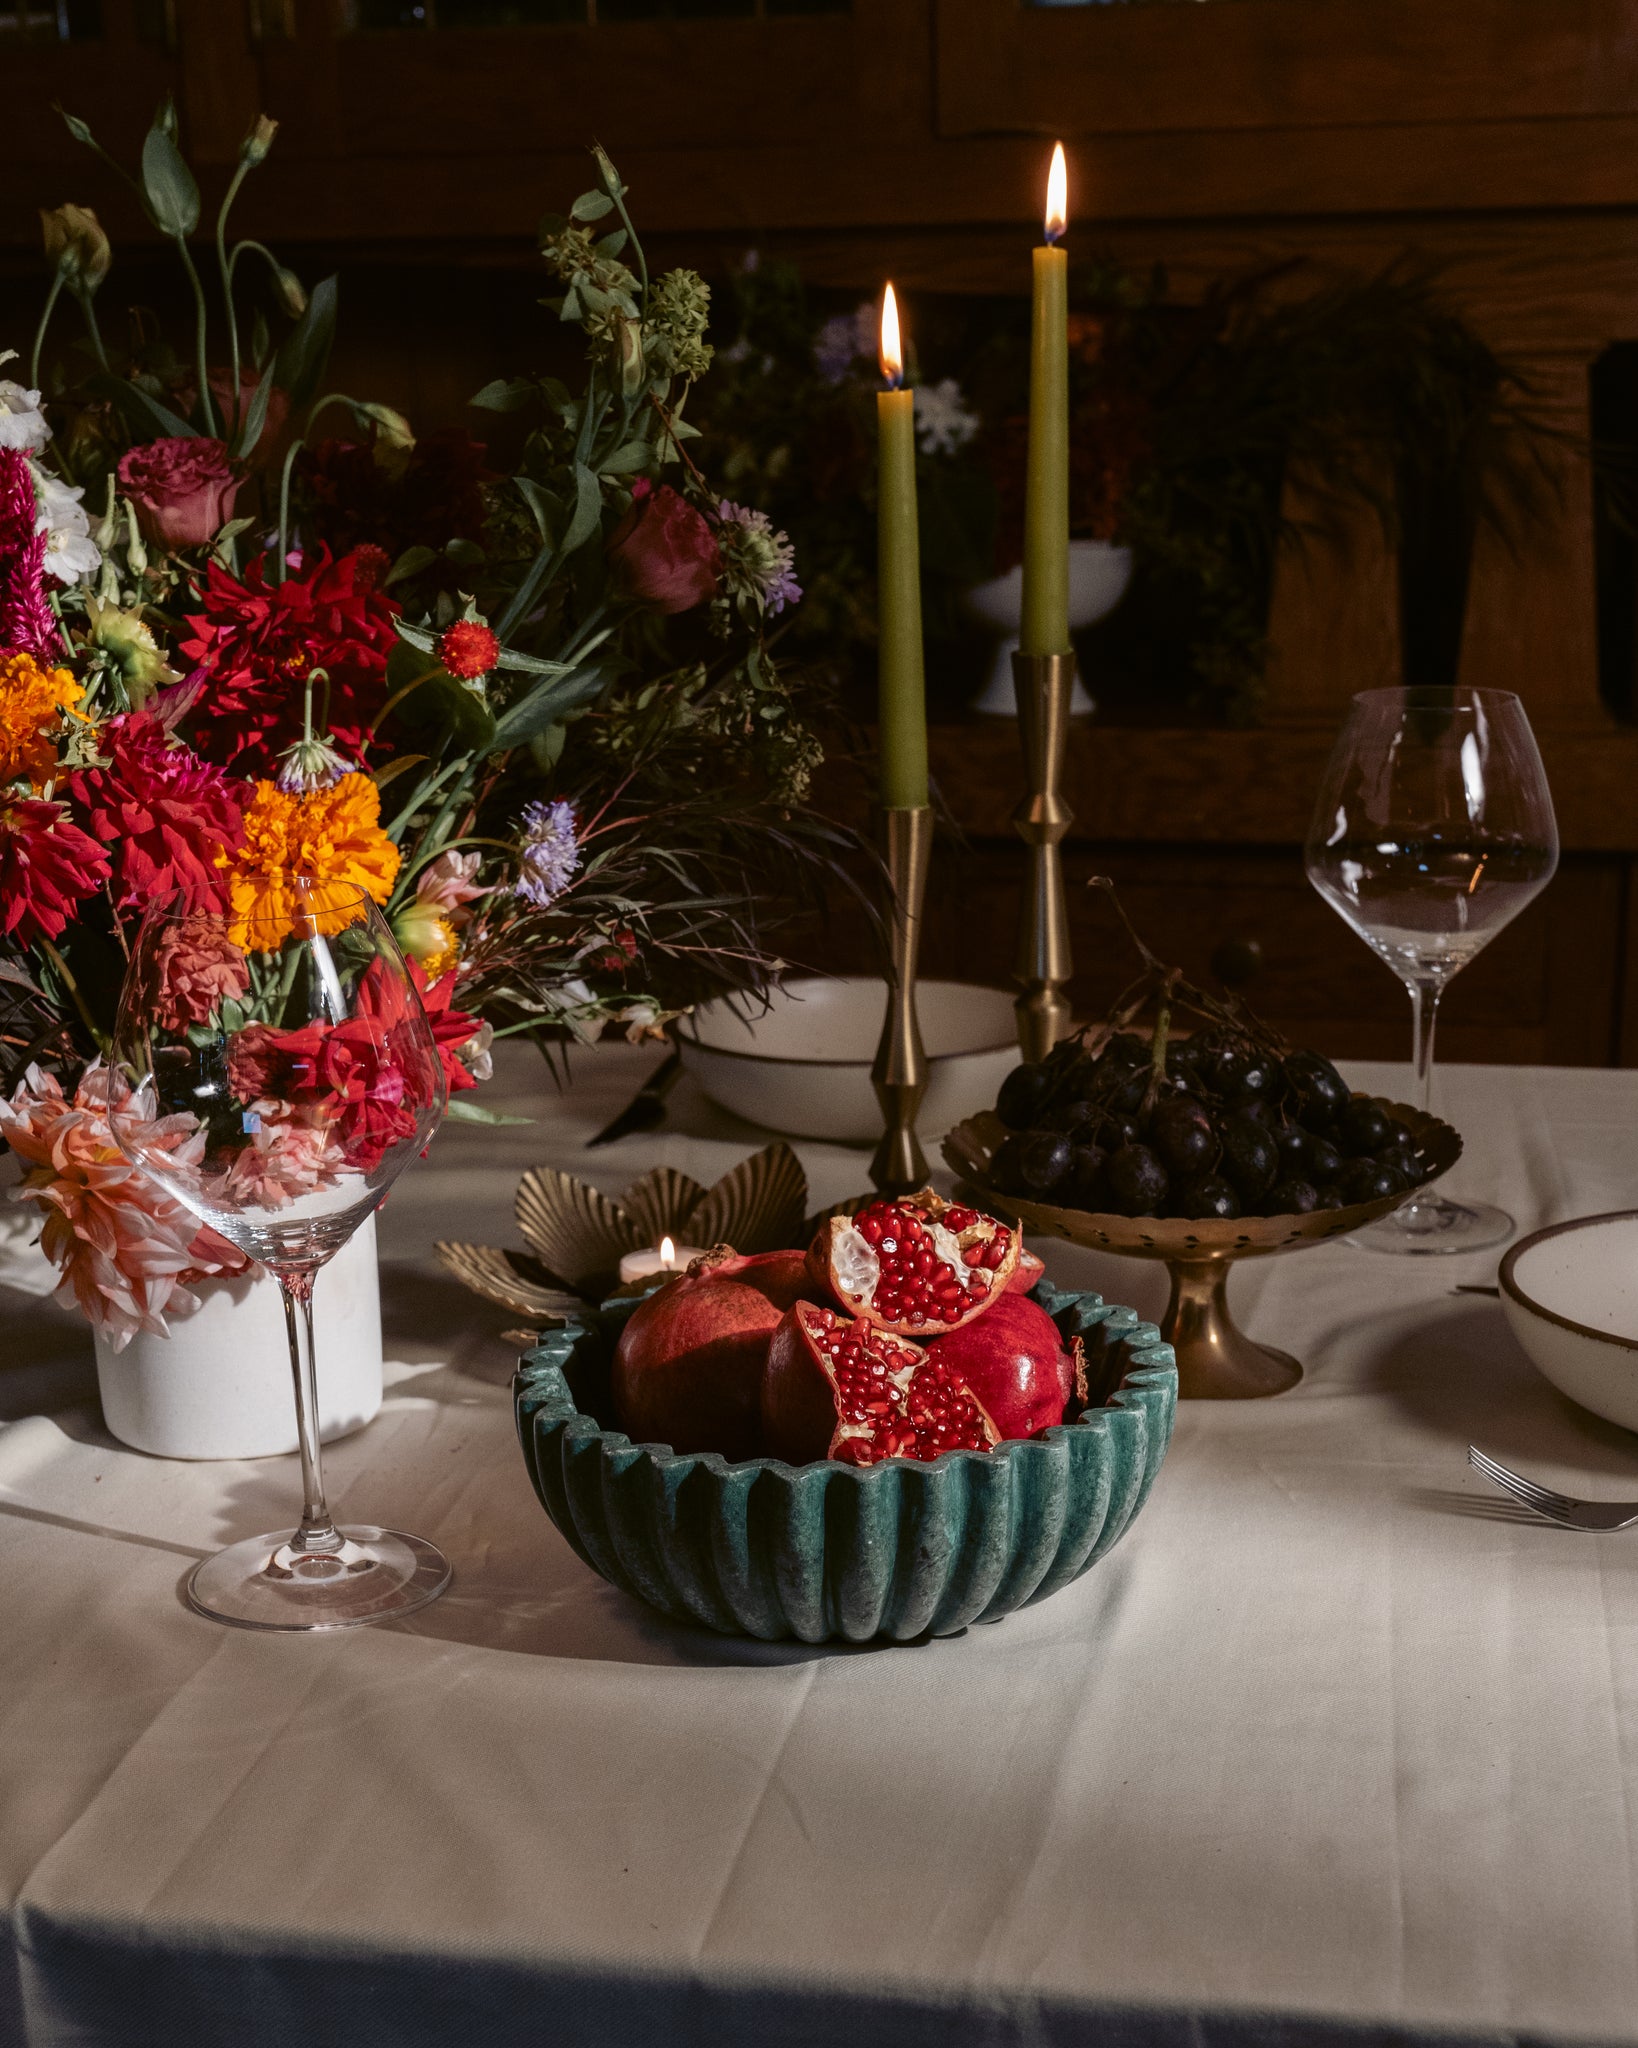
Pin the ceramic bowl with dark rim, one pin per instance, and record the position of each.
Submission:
(829, 1551)
(802, 1065)
(1570, 1295)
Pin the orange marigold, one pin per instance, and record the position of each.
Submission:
(32, 703)
(325, 836)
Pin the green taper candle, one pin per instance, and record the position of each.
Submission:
(1045, 621)
(902, 715)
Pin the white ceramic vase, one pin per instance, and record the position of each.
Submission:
(1098, 575)
(219, 1385)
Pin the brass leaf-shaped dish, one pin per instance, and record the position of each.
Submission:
(510, 1279)
(578, 1234)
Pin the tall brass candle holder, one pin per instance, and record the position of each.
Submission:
(900, 1073)
(1043, 682)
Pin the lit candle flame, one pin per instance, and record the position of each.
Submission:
(668, 1253)
(892, 347)
(1057, 206)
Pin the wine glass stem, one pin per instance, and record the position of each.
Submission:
(1424, 997)
(317, 1531)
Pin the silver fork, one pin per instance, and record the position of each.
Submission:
(1596, 1515)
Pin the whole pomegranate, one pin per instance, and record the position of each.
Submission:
(1014, 1361)
(842, 1388)
(688, 1368)
(916, 1265)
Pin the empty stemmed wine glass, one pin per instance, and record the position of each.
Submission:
(1434, 828)
(277, 1074)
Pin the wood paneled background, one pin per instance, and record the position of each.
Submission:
(1496, 138)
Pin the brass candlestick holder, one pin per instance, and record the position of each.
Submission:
(900, 1073)
(1043, 683)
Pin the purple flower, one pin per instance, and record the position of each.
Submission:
(843, 340)
(550, 852)
(757, 563)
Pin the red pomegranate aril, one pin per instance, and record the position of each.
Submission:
(853, 1391)
(915, 1265)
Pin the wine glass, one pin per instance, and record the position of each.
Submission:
(1434, 828)
(277, 1073)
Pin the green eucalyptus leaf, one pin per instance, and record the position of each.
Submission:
(611, 245)
(568, 307)
(588, 509)
(255, 419)
(505, 394)
(591, 206)
(410, 563)
(629, 456)
(77, 128)
(546, 746)
(467, 552)
(168, 185)
(300, 363)
(542, 505)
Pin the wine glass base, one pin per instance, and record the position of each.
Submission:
(1435, 1225)
(263, 1582)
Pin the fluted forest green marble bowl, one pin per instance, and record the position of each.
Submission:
(831, 1551)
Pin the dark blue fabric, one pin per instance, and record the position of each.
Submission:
(83, 1987)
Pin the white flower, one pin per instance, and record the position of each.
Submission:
(843, 339)
(22, 423)
(70, 550)
(944, 421)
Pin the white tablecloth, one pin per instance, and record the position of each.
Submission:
(1333, 1741)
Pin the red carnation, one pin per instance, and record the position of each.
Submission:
(663, 551)
(258, 642)
(47, 865)
(164, 813)
(469, 649)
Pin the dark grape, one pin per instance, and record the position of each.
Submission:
(1292, 1143)
(1330, 1196)
(1138, 1183)
(1086, 1178)
(1181, 1133)
(1130, 1093)
(1241, 1078)
(1362, 1180)
(1251, 1159)
(1022, 1094)
(1404, 1158)
(1362, 1128)
(1291, 1197)
(1125, 1050)
(1004, 1163)
(1074, 1114)
(1321, 1092)
(1116, 1131)
(1205, 1196)
(1043, 1160)
(1324, 1161)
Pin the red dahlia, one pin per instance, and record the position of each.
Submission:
(162, 811)
(469, 649)
(47, 866)
(259, 641)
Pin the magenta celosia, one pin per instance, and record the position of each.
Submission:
(128, 1252)
(26, 619)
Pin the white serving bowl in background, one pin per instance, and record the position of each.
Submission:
(1570, 1293)
(802, 1066)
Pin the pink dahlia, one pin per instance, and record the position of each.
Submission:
(47, 866)
(163, 812)
(197, 968)
(128, 1251)
(289, 1154)
(259, 641)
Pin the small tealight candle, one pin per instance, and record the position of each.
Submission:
(670, 1258)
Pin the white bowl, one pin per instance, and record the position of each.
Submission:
(802, 1066)
(1098, 575)
(1570, 1293)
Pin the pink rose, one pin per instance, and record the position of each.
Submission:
(183, 489)
(663, 551)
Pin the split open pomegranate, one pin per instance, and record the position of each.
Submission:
(1027, 1272)
(842, 1388)
(1016, 1365)
(917, 1265)
(688, 1367)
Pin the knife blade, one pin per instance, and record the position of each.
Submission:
(646, 1109)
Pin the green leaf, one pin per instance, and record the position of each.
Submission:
(255, 419)
(440, 705)
(568, 307)
(546, 747)
(77, 128)
(410, 563)
(611, 245)
(167, 184)
(142, 411)
(467, 552)
(305, 350)
(505, 394)
(541, 504)
(591, 206)
(460, 1111)
(588, 509)
(544, 706)
(631, 455)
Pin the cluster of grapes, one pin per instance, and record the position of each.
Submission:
(1224, 1129)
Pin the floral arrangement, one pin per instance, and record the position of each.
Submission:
(531, 712)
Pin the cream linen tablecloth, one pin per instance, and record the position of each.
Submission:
(1334, 1744)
